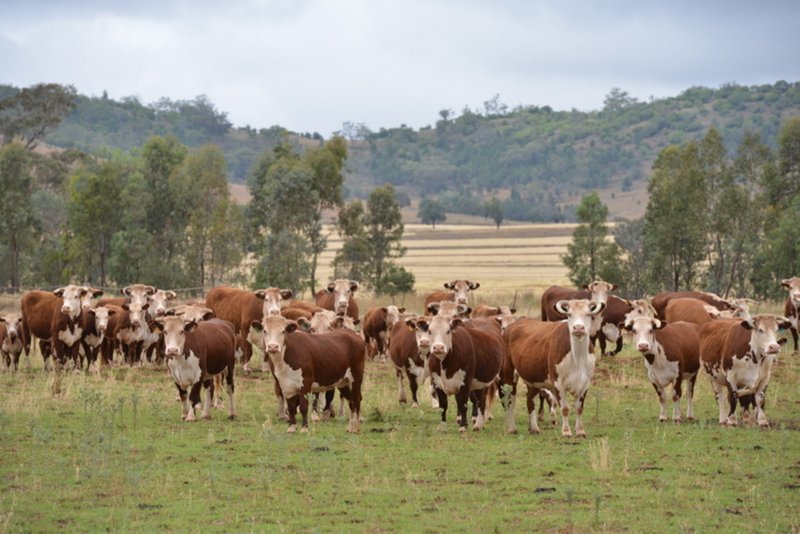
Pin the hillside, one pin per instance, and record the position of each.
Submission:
(538, 161)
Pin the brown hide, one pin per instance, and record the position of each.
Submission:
(681, 343)
(533, 348)
(295, 309)
(460, 357)
(403, 351)
(439, 296)
(555, 293)
(214, 344)
(614, 313)
(117, 322)
(327, 301)
(37, 309)
(791, 312)
(713, 337)
(240, 308)
(687, 309)
(113, 301)
(487, 342)
(660, 301)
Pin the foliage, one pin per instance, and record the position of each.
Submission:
(589, 256)
(33, 112)
(493, 209)
(16, 224)
(431, 211)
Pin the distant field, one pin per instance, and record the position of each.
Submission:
(524, 257)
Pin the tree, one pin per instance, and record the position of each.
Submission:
(493, 209)
(33, 112)
(384, 231)
(617, 99)
(16, 224)
(633, 261)
(352, 260)
(431, 211)
(589, 257)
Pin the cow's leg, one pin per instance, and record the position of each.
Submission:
(217, 401)
(510, 403)
(401, 390)
(462, 398)
(247, 352)
(7, 360)
(662, 402)
(354, 398)
(719, 394)
(315, 410)
(619, 345)
(579, 402)
(329, 401)
(208, 388)
(601, 340)
(413, 386)
(690, 397)
(442, 398)
(44, 348)
(187, 407)
(16, 360)
(564, 404)
(291, 406)
(761, 417)
(304, 412)
(282, 404)
(745, 402)
(730, 420)
(480, 398)
(194, 400)
(230, 389)
(676, 400)
(489, 396)
(793, 330)
(533, 415)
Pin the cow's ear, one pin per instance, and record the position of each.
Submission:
(782, 341)
(260, 294)
(171, 295)
(257, 326)
(586, 287)
(91, 311)
(463, 310)
(513, 311)
(422, 324)
(304, 323)
(456, 322)
(783, 323)
(208, 315)
(291, 326)
(286, 294)
(450, 285)
(433, 308)
(112, 312)
(353, 285)
(158, 324)
(125, 306)
(150, 290)
(145, 306)
(411, 323)
(330, 287)
(659, 324)
(474, 285)
(97, 293)
(401, 310)
(747, 325)
(384, 310)
(562, 307)
(356, 322)
(59, 292)
(613, 287)
(786, 283)
(625, 325)
(2, 319)
(189, 326)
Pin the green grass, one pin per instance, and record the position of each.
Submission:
(110, 452)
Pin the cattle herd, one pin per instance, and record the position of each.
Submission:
(472, 355)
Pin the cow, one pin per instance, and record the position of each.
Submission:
(124, 332)
(671, 356)
(555, 356)
(409, 353)
(196, 352)
(159, 301)
(295, 309)
(192, 312)
(94, 322)
(487, 340)
(451, 362)
(738, 355)
(54, 319)
(660, 301)
(338, 297)
(791, 308)
(459, 291)
(135, 293)
(304, 363)
(484, 310)
(241, 308)
(597, 291)
(448, 308)
(690, 310)
(377, 327)
(11, 339)
(615, 312)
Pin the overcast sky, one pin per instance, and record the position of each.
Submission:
(310, 65)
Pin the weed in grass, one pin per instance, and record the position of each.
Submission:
(600, 455)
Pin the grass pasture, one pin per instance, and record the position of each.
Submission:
(88, 452)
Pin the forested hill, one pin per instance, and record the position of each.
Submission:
(533, 158)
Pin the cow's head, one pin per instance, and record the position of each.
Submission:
(579, 314)
(272, 297)
(321, 322)
(91, 294)
(13, 325)
(100, 316)
(448, 308)
(764, 333)
(71, 295)
(138, 293)
(600, 290)
(792, 285)
(191, 312)
(439, 330)
(137, 313)
(174, 328)
(461, 289)
(638, 308)
(506, 320)
(274, 329)
(342, 291)
(392, 314)
(644, 329)
(159, 300)
(422, 335)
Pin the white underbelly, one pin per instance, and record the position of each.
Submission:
(185, 371)
(450, 385)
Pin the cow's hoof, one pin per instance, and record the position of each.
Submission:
(533, 431)
(489, 417)
(763, 424)
(662, 419)
(511, 430)
(246, 368)
(691, 418)
(190, 418)
(462, 429)
(232, 417)
(731, 423)
(476, 428)
(581, 434)
(304, 430)
(291, 430)
(314, 417)
(415, 405)
(566, 433)
(402, 401)
(677, 420)
(205, 416)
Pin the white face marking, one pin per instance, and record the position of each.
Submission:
(273, 297)
(440, 331)
(159, 300)
(461, 290)
(792, 285)
(72, 296)
(322, 322)
(342, 291)
(574, 372)
(185, 371)
(452, 384)
(174, 329)
(764, 334)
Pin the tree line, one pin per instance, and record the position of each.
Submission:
(724, 222)
(162, 213)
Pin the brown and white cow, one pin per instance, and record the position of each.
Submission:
(338, 297)
(556, 356)
(54, 319)
(459, 292)
(304, 363)
(738, 357)
(191, 312)
(448, 308)
(409, 351)
(134, 293)
(94, 322)
(690, 310)
(377, 327)
(615, 312)
(671, 356)
(487, 340)
(484, 310)
(660, 300)
(451, 362)
(197, 352)
(295, 309)
(241, 308)
(791, 308)
(11, 339)
(124, 331)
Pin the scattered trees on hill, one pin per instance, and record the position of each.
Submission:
(34, 112)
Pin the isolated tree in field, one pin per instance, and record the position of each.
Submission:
(633, 262)
(34, 112)
(589, 256)
(352, 260)
(384, 231)
(675, 218)
(493, 209)
(16, 223)
(431, 211)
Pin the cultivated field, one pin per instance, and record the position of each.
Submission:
(108, 451)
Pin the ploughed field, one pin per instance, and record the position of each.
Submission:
(97, 451)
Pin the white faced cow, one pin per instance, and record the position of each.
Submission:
(791, 308)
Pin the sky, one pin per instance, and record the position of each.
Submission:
(311, 65)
